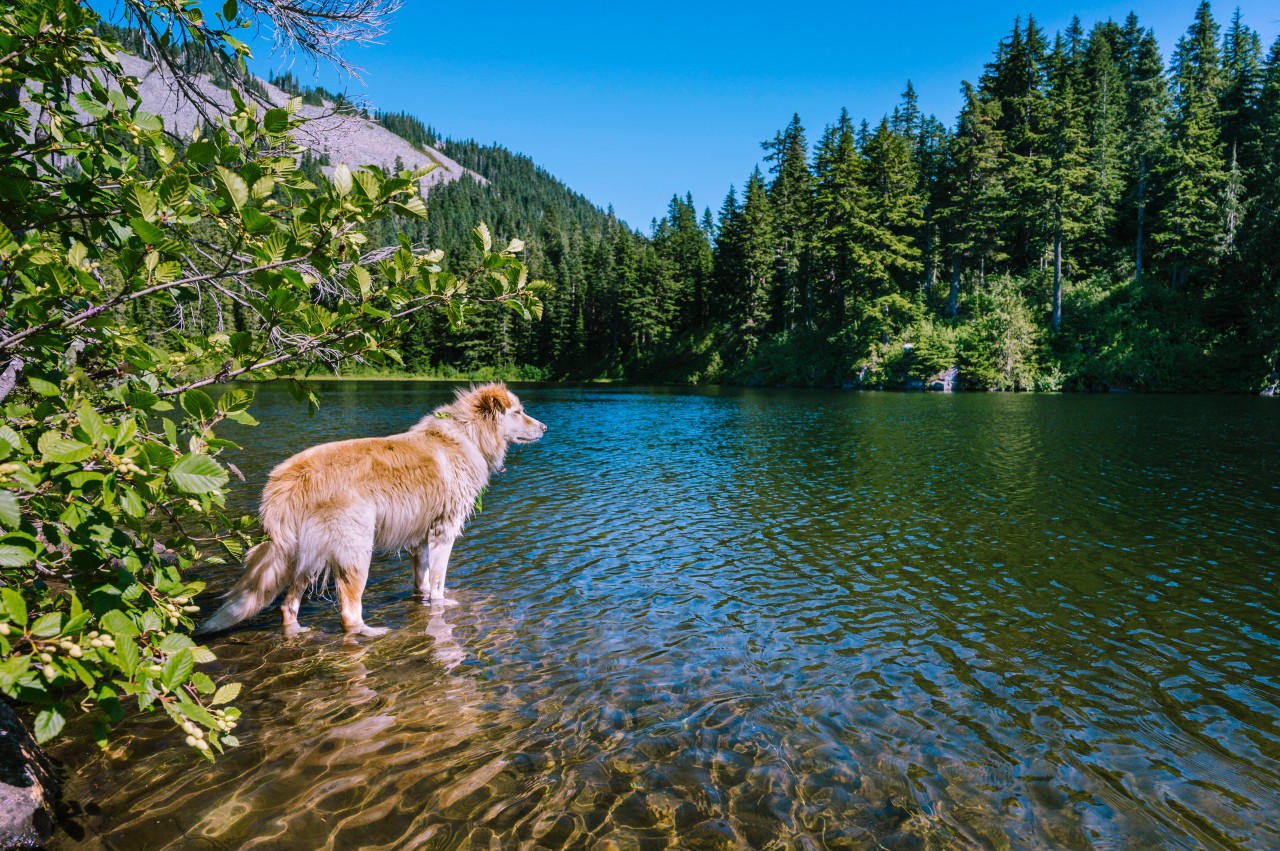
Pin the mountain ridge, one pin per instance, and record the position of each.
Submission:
(328, 134)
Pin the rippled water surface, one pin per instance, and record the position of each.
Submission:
(769, 620)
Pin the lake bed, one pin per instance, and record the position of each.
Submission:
(748, 618)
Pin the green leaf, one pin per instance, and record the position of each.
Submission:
(203, 684)
(91, 422)
(230, 11)
(176, 641)
(47, 626)
(198, 474)
(11, 671)
(235, 400)
(481, 237)
(49, 723)
(61, 450)
(359, 276)
(225, 694)
(140, 202)
(276, 120)
(341, 180)
(201, 153)
(10, 510)
(131, 502)
(147, 232)
(12, 555)
(255, 221)
(44, 388)
(127, 655)
(76, 624)
(14, 606)
(159, 455)
(118, 624)
(232, 187)
(198, 404)
(141, 399)
(177, 668)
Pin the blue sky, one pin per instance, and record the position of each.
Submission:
(631, 103)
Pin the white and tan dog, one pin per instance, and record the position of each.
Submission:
(330, 506)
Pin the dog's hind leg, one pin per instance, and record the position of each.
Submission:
(293, 601)
(352, 576)
(352, 550)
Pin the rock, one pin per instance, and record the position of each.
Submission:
(945, 381)
(28, 788)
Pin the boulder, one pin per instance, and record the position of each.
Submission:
(945, 381)
(28, 788)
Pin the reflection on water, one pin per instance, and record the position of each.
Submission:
(770, 619)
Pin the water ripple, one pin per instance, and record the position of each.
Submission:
(734, 619)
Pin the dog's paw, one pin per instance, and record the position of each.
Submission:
(370, 631)
(442, 602)
(294, 630)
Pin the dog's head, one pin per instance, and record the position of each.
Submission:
(495, 404)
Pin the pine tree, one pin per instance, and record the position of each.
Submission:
(840, 205)
(1146, 102)
(976, 206)
(1016, 80)
(930, 161)
(790, 194)
(683, 245)
(757, 237)
(1068, 172)
(1194, 170)
(907, 121)
(1262, 230)
(891, 227)
(1103, 113)
(1242, 84)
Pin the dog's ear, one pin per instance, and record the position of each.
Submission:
(492, 401)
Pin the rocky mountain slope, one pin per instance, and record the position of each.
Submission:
(344, 137)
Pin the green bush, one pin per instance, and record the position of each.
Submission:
(111, 483)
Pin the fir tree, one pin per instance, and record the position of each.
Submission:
(1068, 172)
(790, 194)
(1146, 102)
(840, 205)
(976, 208)
(757, 236)
(1194, 170)
(893, 218)
(1104, 98)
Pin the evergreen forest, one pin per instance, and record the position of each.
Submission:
(1091, 220)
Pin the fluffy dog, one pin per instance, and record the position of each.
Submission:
(330, 506)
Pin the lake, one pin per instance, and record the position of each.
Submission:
(767, 619)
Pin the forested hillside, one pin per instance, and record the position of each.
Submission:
(1091, 219)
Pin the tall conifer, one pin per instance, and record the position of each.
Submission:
(1191, 235)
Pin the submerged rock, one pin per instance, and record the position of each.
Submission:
(28, 788)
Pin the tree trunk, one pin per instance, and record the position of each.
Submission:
(1056, 322)
(953, 296)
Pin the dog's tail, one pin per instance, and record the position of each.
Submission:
(266, 570)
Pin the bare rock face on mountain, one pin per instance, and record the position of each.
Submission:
(346, 138)
(27, 786)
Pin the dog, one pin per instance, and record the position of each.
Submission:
(329, 507)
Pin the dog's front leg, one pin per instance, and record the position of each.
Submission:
(421, 571)
(441, 548)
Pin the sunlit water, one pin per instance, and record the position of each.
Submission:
(769, 620)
